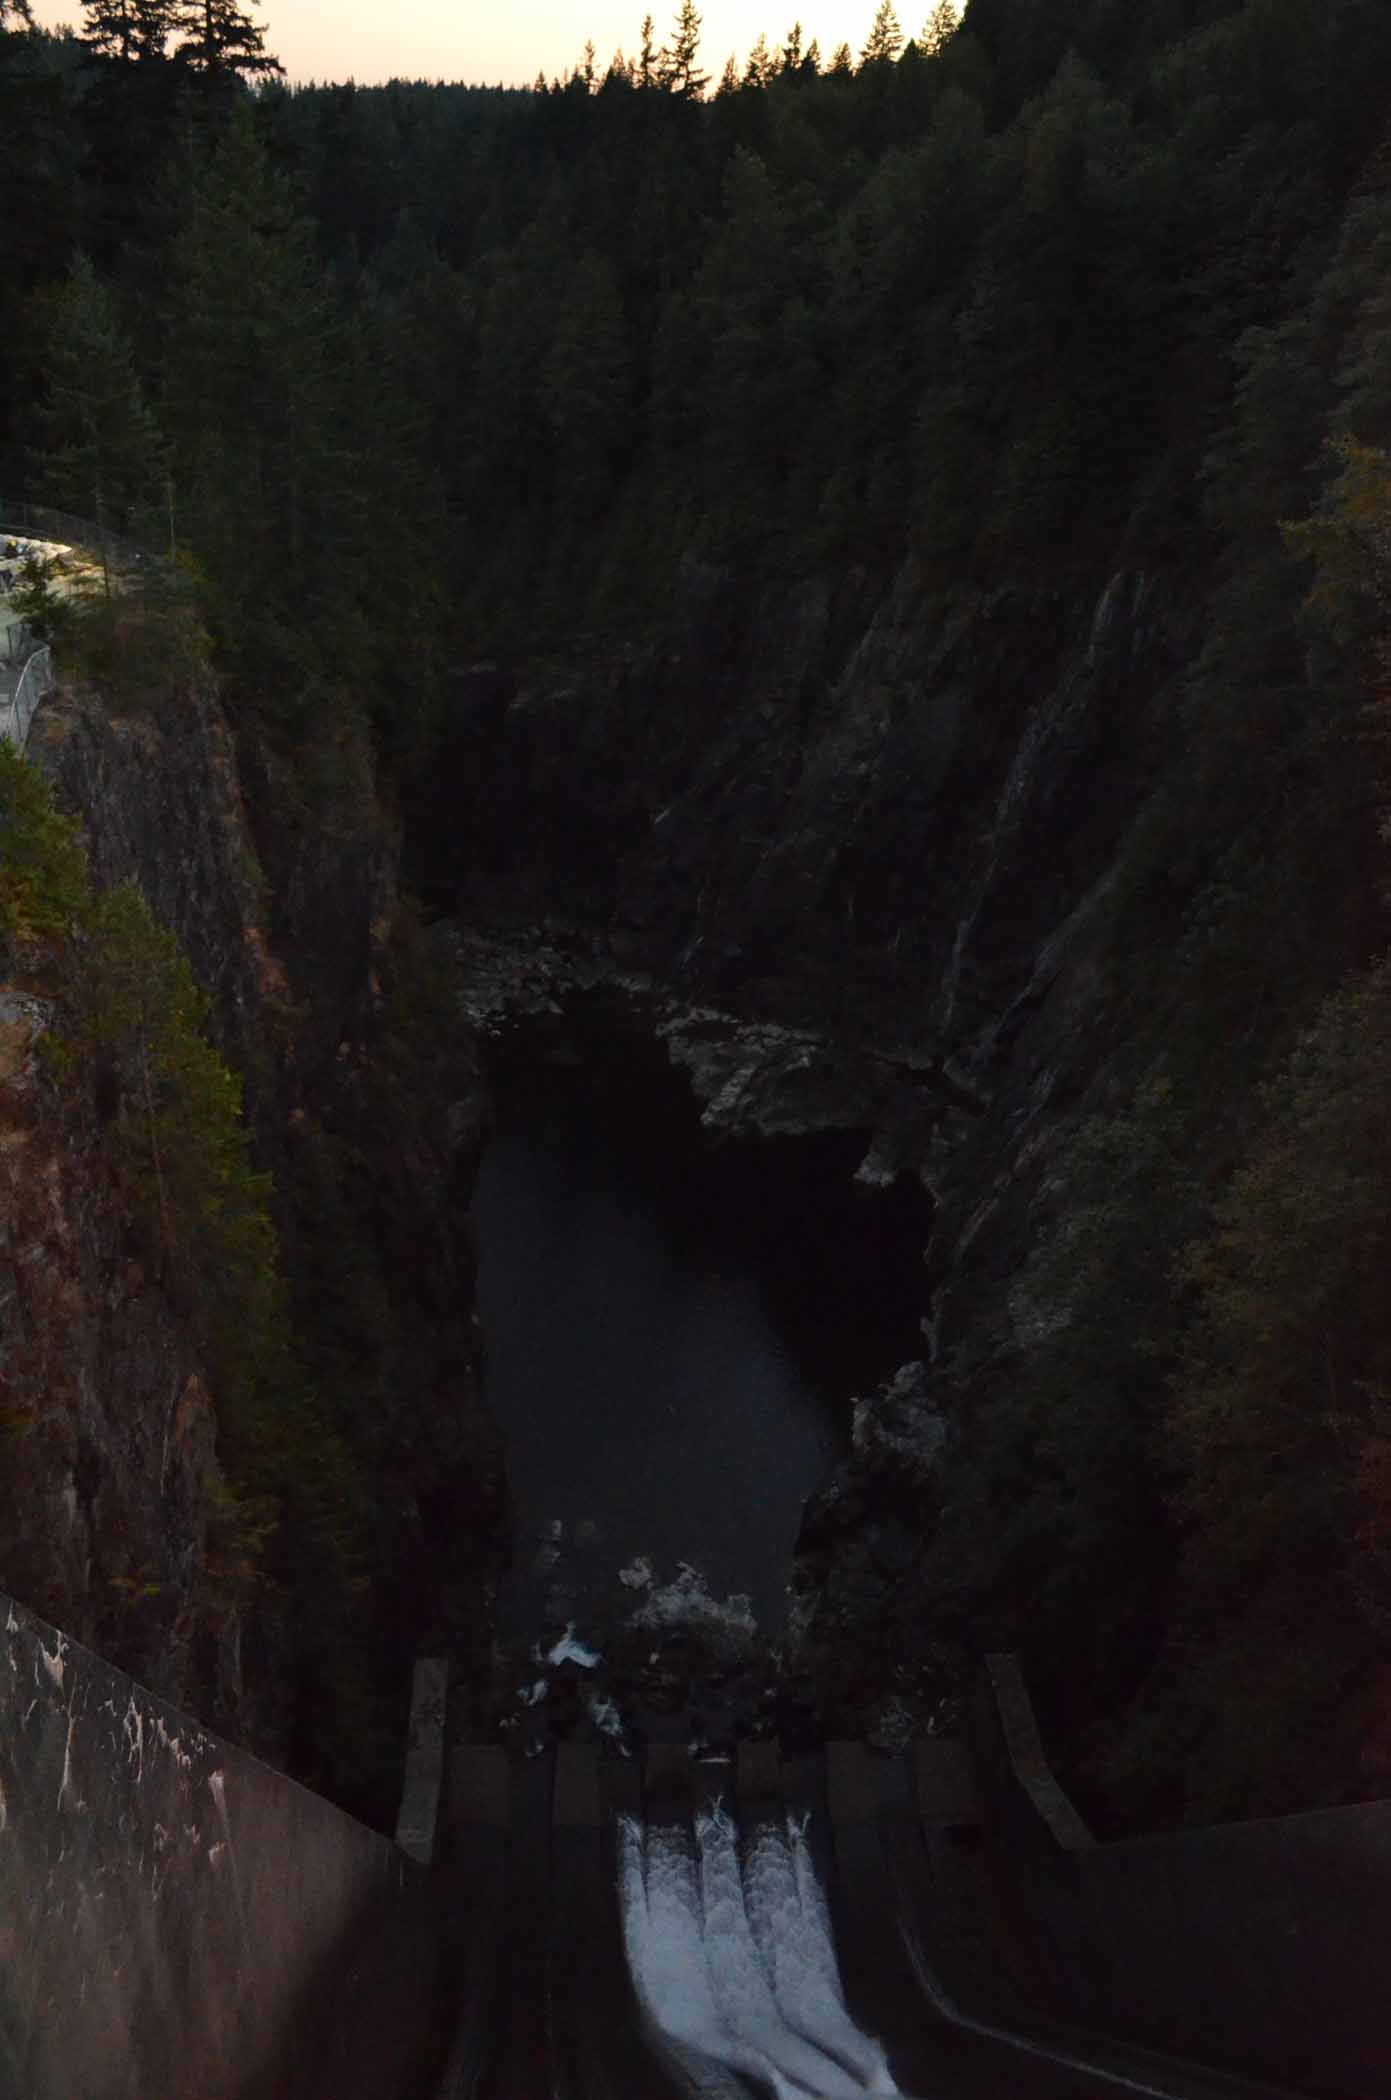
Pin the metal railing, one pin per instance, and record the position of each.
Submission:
(20, 644)
(17, 712)
(24, 521)
(39, 521)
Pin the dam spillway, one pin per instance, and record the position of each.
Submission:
(181, 1920)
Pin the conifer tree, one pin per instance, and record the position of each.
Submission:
(842, 60)
(885, 37)
(729, 79)
(760, 67)
(43, 876)
(100, 453)
(940, 27)
(678, 62)
(128, 30)
(222, 42)
(253, 401)
(758, 333)
(583, 384)
(647, 55)
(792, 49)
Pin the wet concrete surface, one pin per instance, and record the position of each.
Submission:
(561, 2006)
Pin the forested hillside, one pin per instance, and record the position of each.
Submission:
(531, 350)
(966, 325)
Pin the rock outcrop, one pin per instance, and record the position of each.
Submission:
(918, 861)
(365, 1106)
(108, 1433)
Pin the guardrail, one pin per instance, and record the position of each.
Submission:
(39, 521)
(21, 520)
(35, 681)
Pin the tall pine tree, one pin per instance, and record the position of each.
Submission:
(99, 452)
(221, 42)
(885, 39)
(678, 60)
(265, 451)
(939, 29)
(127, 30)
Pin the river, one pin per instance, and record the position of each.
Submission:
(674, 1327)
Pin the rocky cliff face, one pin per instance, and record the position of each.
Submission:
(924, 862)
(367, 1113)
(832, 803)
(911, 830)
(108, 1451)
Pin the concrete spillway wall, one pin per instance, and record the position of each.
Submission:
(177, 1919)
(1262, 1947)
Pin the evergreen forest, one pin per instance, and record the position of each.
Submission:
(421, 375)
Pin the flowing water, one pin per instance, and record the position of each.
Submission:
(734, 1963)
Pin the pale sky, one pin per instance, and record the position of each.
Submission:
(511, 40)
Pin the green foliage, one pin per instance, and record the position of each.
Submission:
(1049, 293)
(676, 66)
(993, 249)
(135, 634)
(885, 39)
(46, 610)
(177, 1133)
(305, 494)
(239, 1531)
(939, 29)
(1281, 1428)
(128, 1023)
(142, 644)
(181, 1150)
(1056, 1529)
(1349, 542)
(101, 455)
(584, 388)
(251, 396)
(127, 31)
(43, 874)
(1283, 1361)
(221, 41)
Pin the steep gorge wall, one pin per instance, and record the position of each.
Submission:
(816, 797)
(364, 1105)
(916, 823)
(109, 1432)
(979, 841)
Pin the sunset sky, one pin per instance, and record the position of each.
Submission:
(513, 39)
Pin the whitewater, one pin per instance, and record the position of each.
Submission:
(732, 1958)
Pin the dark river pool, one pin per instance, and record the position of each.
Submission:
(674, 1328)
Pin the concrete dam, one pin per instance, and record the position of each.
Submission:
(178, 1920)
